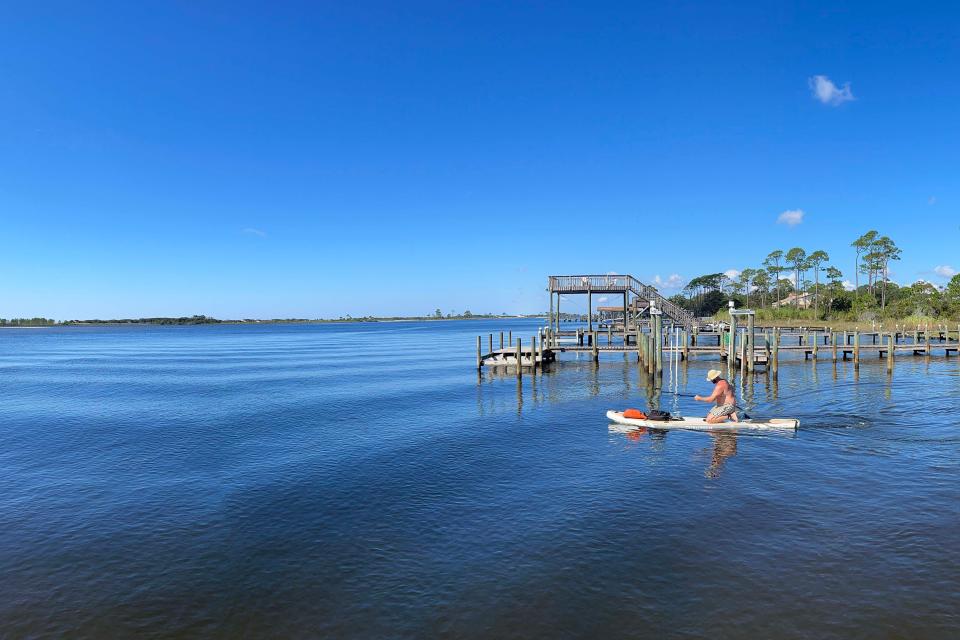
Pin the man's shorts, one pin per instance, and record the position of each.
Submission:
(723, 410)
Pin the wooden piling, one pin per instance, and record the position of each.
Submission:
(775, 362)
(856, 350)
(491, 344)
(589, 309)
(639, 348)
(479, 355)
(750, 342)
(816, 347)
(926, 337)
(550, 318)
(658, 344)
(891, 347)
(651, 357)
(533, 353)
(833, 342)
(686, 347)
(501, 339)
(744, 358)
(595, 347)
(519, 355)
(510, 337)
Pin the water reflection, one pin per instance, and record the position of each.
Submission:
(519, 394)
(724, 447)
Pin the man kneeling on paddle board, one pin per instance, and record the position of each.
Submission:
(723, 397)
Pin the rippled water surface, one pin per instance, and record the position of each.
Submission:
(361, 480)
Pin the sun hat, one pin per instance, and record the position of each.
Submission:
(713, 374)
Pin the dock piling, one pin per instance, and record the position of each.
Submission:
(891, 347)
(775, 362)
(658, 344)
(652, 351)
(856, 350)
(519, 355)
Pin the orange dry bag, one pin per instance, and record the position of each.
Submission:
(635, 413)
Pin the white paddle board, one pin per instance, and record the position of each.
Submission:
(701, 424)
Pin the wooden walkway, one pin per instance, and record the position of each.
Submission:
(834, 346)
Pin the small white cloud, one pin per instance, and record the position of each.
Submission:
(673, 281)
(603, 299)
(731, 273)
(945, 271)
(250, 231)
(791, 217)
(828, 93)
(847, 285)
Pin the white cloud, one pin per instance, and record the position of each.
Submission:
(847, 285)
(791, 217)
(731, 273)
(945, 271)
(603, 299)
(673, 281)
(826, 92)
(250, 231)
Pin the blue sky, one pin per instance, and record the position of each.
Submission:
(316, 159)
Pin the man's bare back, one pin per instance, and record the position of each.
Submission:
(723, 397)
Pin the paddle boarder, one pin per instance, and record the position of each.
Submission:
(722, 396)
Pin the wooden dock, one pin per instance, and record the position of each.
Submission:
(766, 345)
(652, 327)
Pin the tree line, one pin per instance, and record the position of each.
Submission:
(815, 289)
(27, 322)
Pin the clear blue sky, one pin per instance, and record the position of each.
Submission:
(314, 159)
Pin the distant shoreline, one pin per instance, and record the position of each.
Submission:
(199, 321)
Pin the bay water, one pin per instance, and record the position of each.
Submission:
(363, 481)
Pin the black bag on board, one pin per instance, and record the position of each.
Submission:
(657, 415)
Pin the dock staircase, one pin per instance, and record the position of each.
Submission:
(622, 284)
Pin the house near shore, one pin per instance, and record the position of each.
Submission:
(800, 300)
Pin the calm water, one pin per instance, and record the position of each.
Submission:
(361, 481)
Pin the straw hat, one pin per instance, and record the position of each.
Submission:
(713, 374)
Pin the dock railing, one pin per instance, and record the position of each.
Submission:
(620, 284)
